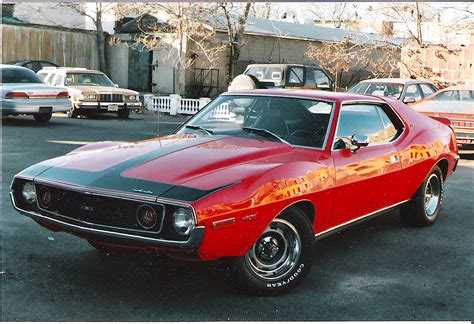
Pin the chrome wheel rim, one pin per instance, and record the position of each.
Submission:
(432, 195)
(276, 252)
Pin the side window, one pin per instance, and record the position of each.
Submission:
(42, 75)
(49, 78)
(321, 78)
(363, 119)
(59, 80)
(466, 95)
(296, 75)
(427, 89)
(414, 92)
(310, 81)
(391, 130)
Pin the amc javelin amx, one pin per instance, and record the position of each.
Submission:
(255, 177)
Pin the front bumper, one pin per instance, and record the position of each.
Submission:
(32, 106)
(107, 106)
(114, 236)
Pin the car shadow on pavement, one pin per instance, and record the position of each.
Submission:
(29, 121)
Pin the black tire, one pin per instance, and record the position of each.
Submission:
(424, 207)
(42, 118)
(72, 113)
(123, 113)
(293, 230)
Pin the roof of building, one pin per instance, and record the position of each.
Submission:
(276, 28)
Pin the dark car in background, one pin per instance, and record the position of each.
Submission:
(406, 90)
(34, 65)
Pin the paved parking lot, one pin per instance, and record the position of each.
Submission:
(378, 270)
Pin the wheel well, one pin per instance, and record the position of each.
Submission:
(443, 165)
(306, 207)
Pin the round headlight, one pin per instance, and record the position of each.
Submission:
(183, 221)
(29, 193)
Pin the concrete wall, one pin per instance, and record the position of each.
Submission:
(455, 64)
(65, 47)
(117, 62)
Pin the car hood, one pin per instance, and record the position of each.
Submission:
(103, 90)
(182, 167)
(437, 106)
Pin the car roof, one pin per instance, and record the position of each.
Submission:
(11, 66)
(281, 65)
(395, 80)
(68, 69)
(310, 94)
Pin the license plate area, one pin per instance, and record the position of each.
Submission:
(112, 108)
(45, 110)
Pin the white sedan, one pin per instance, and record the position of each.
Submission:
(23, 93)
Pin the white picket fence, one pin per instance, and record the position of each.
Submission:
(174, 104)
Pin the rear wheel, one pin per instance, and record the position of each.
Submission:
(280, 258)
(41, 118)
(72, 113)
(425, 205)
(123, 114)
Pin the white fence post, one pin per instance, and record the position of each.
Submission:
(203, 102)
(175, 103)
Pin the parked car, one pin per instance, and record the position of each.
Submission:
(34, 65)
(406, 90)
(23, 93)
(255, 178)
(457, 104)
(286, 76)
(92, 91)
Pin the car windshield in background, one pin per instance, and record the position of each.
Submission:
(88, 79)
(392, 90)
(266, 73)
(10, 75)
(291, 120)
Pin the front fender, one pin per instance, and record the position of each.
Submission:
(235, 217)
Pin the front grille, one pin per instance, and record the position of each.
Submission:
(111, 98)
(98, 210)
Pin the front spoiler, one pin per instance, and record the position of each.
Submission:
(192, 244)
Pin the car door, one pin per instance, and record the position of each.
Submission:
(367, 180)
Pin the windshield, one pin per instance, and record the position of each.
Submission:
(266, 73)
(291, 120)
(19, 76)
(88, 79)
(393, 90)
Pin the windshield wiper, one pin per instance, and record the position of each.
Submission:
(207, 131)
(265, 133)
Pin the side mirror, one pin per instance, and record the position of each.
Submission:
(359, 141)
(116, 85)
(408, 100)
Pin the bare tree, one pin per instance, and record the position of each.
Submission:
(236, 15)
(337, 57)
(101, 9)
(184, 34)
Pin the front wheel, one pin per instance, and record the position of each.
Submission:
(42, 118)
(424, 207)
(123, 114)
(280, 258)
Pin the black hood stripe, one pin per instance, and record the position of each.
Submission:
(111, 178)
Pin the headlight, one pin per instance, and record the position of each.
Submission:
(132, 97)
(29, 193)
(88, 97)
(183, 221)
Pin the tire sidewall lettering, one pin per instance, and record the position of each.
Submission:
(289, 279)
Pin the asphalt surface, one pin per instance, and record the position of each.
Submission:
(377, 270)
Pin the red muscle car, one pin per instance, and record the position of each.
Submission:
(255, 177)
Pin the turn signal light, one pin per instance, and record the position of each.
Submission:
(63, 94)
(16, 95)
